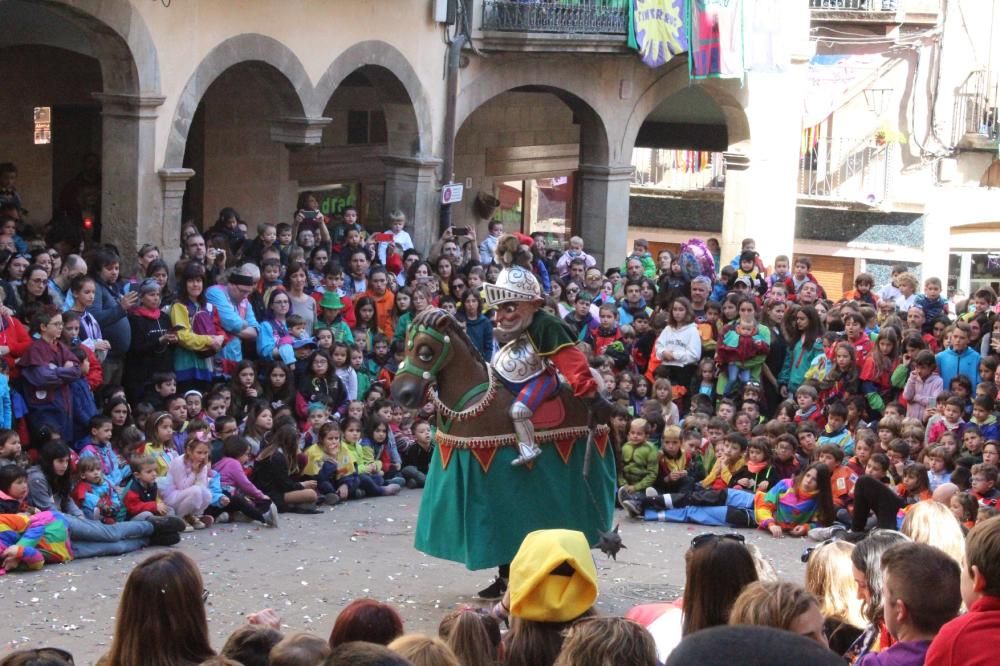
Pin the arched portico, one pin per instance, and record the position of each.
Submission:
(114, 34)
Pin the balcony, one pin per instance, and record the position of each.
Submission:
(678, 170)
(875, 12)
(975, 121)
(847, 171)
(554, 25)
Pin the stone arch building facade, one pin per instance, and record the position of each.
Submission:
(202, 103)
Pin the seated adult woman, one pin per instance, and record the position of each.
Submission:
(161, 617)
(553, 583)
(366, 620)
(867, 564)
(781, 605)
(717, 569)
(830, 578)
(49, 490)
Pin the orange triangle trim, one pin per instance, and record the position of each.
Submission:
(485, 457)
(445, 455)
(565, 449)
(601, 441)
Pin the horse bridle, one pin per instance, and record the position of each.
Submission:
(462, 413)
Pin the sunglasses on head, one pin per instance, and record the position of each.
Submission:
(807, 553)
(711, 537)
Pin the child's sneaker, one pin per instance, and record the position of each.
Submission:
(633, 505)
(195, 522)
(824, 533)
(651, 492)
(223, 518)
(391, 489)
(271, 516)
(331, 499)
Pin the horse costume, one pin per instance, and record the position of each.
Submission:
(490, 483)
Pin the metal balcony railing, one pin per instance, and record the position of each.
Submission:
(857, 5)
(678, 170)
(846, 169)
(561, 16)
(976, 107)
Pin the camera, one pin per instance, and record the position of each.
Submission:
(310, 214)
(460, 231)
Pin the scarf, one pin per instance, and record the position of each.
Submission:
(148, 313)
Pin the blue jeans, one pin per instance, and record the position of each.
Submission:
(90, 538)
(738, 503)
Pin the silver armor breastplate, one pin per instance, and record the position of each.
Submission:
(518, 361)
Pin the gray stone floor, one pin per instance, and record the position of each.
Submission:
(312, 566)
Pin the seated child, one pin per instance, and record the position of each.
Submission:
(864, 447)
(369, 470)
(231, 468)
(806, 397)
(940, 465)
(972, 446)
(99, 446)
(984, 418)
(94, 495)
(678, 467)
(417, 457)
(950, 421)
(759, 474)
(965, 507)
(836, 431)
(187, 492)
(142, 498)
(327, 463)
(10, 448)
(842, 477)
(14, 490)
(785, 463)
(984, 481)
(639, 458)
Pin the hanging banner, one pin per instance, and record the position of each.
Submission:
(657, 30)
(716, 39)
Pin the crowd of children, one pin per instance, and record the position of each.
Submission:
(260, 384)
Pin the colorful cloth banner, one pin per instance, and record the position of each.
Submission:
(657, 29)
(716, 39)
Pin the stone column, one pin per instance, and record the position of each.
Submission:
(602, 216)
(411, 186)
(762, 203)
(130, 196)
(174, 183)
(736, 202)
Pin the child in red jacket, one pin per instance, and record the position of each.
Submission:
(142, 499)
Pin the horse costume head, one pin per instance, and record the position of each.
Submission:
(430, 345)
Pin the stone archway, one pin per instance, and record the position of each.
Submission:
(400, 92)
(128, 56)
(116, 36)
(298, 98)
(564, 132)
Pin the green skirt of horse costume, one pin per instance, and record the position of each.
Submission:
(480, 517)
